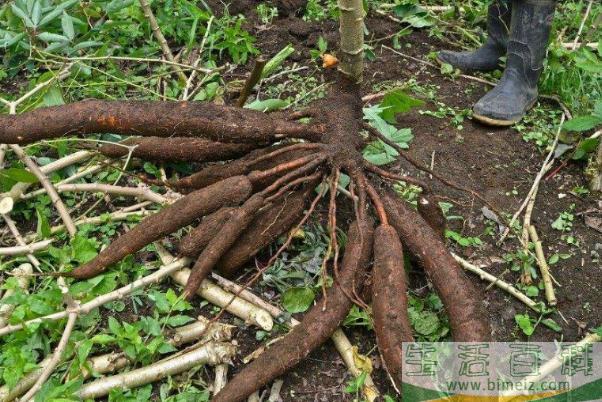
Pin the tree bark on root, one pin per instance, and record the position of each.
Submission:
(259, 159)
(197, 239)
(144, 118)
(181, 213)
(467, 318)
(389, 300)
(317, 325)
(177, 149)
(270, 223)
(221, 242)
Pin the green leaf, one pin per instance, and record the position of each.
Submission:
(178, 320)
(396, 102)
(426, 323)
(19, 175)
(43, 227)
(23, 15)
(102, 339)
(83, 249)
(67, 25)
(83, 350)
(585, 147)
(297, 300)
(53, 97)
(57, 11)
(267, 105)
(582, 123)
(553, 325)
(51, 37)
(524, 323)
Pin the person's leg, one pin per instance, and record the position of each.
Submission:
(516, 92)
(487, 57)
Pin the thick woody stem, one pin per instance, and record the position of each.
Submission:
(352, 38)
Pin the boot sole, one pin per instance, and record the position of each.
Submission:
(499, 122)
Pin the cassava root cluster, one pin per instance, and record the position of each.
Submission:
(256, 182)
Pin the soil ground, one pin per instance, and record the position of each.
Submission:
(497, 163)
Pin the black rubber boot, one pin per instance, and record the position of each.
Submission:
(487, 57)
(516, 92)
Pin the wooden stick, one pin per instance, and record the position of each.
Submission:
(54, 360)
(543, 267)
(113, 361)
(221, 378)
(20, 241)
(505, 286)
(26, 249)
(56, 200)
(71, 306)
(138, 192)
(148, 13)
(106, 298)
(549, 367)
(251, 81)
(211, 353)
(547, 164)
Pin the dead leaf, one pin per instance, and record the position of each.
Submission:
(329, 61)
(594, 222)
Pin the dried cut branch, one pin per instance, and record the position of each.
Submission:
(148, 13)
(543, 266)
(505, 286)
(106, 298)
(212, 353)
(234, 305)
(138, 192)
(54, 197)
(26, 249)
(20, 241)
(111, 362)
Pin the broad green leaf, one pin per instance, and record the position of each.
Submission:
(297, 300)
(585, 147)
(53, 96)
(550, 323)
(51, 37)
(524, 323)
(82, 249)
(87, 44)
(582, 123)
(57, 11)
(19, 175)
(67, 25)
(23, 15)
(396, 102)
(425, 323)
(178, 320)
